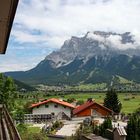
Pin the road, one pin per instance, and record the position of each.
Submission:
(69, 128)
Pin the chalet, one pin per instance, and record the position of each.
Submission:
(91, 108)
(52, 106)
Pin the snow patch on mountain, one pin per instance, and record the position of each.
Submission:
(94, 44)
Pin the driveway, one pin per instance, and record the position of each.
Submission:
(68, 129)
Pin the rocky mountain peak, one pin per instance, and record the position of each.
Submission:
(97, 43)
(96, 57)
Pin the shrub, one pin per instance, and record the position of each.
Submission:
(80, 102)
(70, 100)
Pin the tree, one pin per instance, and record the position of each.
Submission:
(112, 102)
(107, 124)
(70, 100)
(80, 102)
(133, 126)
(7, 91)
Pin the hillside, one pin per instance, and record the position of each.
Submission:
(21, 86)
(94, 58)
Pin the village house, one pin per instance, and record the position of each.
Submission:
(52, 106)
(91, 108)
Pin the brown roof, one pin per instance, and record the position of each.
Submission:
(7, 13)
(86, 105)
(54, 101)
(94, 137)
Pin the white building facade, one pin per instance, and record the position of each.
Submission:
(53, 108)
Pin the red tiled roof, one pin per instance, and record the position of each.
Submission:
(86, 105)
(55, 101)
(82, 107)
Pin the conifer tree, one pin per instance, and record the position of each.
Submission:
(133, 126)
(112, 102)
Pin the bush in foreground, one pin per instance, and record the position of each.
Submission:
(30, 133)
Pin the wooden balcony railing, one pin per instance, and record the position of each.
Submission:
(8, 130)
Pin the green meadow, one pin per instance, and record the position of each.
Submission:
(130, 102)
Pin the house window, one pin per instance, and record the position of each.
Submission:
(94, 111)
(53, 113)
(46, 106)
(56, 106)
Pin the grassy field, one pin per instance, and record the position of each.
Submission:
(130, 102)
(29, 132)
(91, 86)
(128, 106)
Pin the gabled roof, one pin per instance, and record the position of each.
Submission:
(86, 105)
(57, 101)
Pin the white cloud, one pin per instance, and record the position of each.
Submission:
(48, 23)
(5, 67)
(136, 36)
(95, 37)
(17, 63)
(115, 42)
(59, 19)
(23, 37)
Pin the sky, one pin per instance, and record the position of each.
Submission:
(42, 26)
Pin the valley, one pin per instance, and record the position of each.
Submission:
(130, 101)
(92, 59)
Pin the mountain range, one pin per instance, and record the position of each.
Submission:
(96, 57)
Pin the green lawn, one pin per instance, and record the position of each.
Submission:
(28, 132)
(128, 106)
(33, 129)
(91, 86)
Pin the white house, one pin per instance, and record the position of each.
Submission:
(52, 106)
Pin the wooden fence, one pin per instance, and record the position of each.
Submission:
(8, 130)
